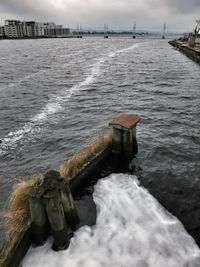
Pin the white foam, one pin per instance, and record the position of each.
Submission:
(30, 129)
(113, 54)
(132, 230)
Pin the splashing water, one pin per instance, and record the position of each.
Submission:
(33, 127)
(132, 230)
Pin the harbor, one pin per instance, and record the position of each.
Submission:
(64, 116)
(114, 150)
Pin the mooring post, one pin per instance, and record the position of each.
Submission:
(124, 134)
(56, 218)
(71, 214)
(54, 210)
(39, 226)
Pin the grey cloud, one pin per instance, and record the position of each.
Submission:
(182, 6)
(26, 8)
(94, 13)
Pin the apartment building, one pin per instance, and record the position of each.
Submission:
(29, 28)
(2, 32)
(50, 29)
(20, 29)
(32, 29)
(13, 29)
(42, 26)
(56, 32)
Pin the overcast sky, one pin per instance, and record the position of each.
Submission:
(179, 15)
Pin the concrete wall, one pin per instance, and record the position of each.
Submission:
(188, 51)
(17, 253)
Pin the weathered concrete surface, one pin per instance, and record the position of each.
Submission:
(124, 135)
(191, 52)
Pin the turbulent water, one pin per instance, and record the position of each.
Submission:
(132, 230)
(57, 94)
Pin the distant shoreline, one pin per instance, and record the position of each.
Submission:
(39, 37)
(81, 35)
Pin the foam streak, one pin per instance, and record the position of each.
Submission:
(33, 127)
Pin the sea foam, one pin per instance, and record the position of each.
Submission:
(132, 230)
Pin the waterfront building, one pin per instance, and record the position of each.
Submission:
(2, 32)
(13, 29)
(32, 29)
(57, 32)
(19, 29)
(42, 26)
(50, 29)
(59, 26)
(29, 29)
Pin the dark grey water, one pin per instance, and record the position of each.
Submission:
(57, 94)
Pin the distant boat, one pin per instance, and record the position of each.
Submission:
(79, 31)
(134, 28)
(164, 28)
(105, 30)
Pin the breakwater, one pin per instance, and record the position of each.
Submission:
(48, 209)
(45, 204)
(191, 52)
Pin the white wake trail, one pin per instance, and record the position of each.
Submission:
(33, 127)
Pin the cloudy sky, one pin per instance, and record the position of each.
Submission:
(179, 15)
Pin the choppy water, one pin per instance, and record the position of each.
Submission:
(132, 230)
(56, 94)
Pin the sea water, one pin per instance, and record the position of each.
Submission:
(57, 94)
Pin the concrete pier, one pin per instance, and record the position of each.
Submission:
(124, 134)
(50, 202)
(192, 52)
